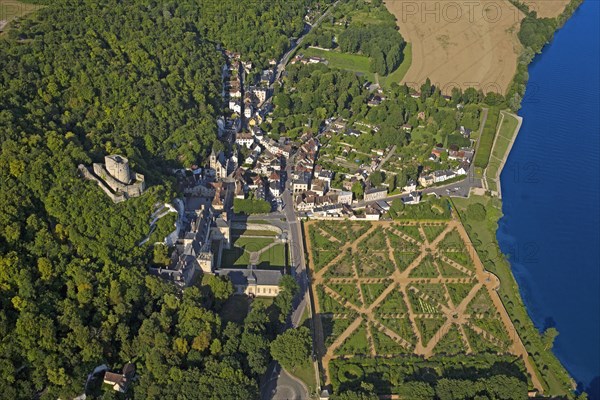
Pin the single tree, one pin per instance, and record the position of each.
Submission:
(292, 348)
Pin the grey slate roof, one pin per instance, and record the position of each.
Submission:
(261, 276)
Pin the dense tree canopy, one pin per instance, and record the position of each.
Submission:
(383, 43)
(536, 32)
(81, 79)
(313, 93)
(260, 30)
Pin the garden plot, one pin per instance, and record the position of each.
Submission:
(395, 289)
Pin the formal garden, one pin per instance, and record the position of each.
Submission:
(399, 289)
(260, 247)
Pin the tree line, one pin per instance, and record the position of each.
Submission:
(382, 43)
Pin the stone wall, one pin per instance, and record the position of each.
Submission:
(117, 198)
(132, 190)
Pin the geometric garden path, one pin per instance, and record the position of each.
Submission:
(454, 314)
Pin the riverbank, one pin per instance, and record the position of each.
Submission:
(506, 135)
(554, 378)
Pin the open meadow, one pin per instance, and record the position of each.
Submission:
(460, 44)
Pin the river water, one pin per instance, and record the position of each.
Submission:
(551, 201)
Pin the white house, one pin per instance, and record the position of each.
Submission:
(275, 189)
(442, 176)
(413, 198)
(248, 109)
(235, 106)
(244, 139)
(411, 186)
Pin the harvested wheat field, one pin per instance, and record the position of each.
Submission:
(460, 44)
(547, 8)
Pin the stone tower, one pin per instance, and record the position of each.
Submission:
(212, 161)
(118, 167)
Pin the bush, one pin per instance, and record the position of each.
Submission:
(476, 211)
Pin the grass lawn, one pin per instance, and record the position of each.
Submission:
(239, 254)
(306, 373)
(490, 177)
(505, 135)
(250, 244)
(398, 74)
(275, 257)
(349, 62)
(373, 17)
(235, 309)
(501, 146)
(486, 141)
(361, 64)
(509, 124)
(235, 257)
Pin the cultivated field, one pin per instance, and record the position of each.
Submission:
(402, 288)
(460, 44)
(11, 9)
(547, 8)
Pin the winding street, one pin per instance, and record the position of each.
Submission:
(286, 57)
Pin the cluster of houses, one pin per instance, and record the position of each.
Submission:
(244, 100)
(339, 125)
(462, 158)
(232, 75)
(311, 183)
(263, 166)
(302, 59)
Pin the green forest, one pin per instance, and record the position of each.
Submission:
(81, 79)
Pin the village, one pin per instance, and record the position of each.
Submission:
(262, 175)
(240, 211)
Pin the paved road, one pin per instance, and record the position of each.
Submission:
(296, 252)
(282, 386)
(286, 57)
(387, 157)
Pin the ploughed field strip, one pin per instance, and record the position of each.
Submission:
(397, 288)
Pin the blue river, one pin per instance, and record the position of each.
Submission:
(551, 200)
